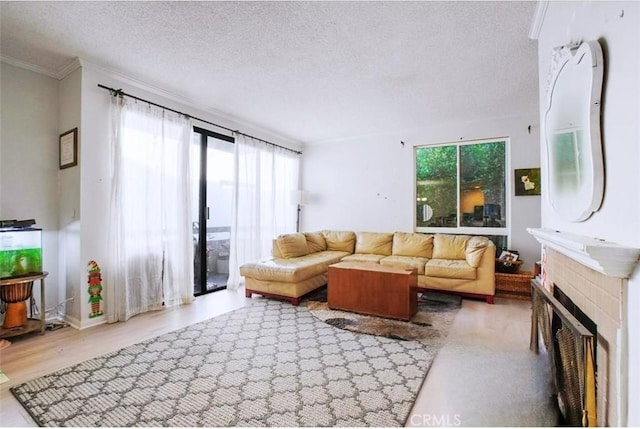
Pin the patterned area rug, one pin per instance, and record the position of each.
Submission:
(267, 364)
(430, 325)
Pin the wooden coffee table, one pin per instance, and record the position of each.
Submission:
(379, 290)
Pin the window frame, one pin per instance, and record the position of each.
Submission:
(468, 230)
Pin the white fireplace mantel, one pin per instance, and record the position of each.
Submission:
(608, 258)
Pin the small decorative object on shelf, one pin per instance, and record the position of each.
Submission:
(508, 262)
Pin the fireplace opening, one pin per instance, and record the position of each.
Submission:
(569, 337)
(563, 376)
(585, 320)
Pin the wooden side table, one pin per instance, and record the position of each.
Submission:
(32, 324)
(515, 286)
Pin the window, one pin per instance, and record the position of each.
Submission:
(461, 188)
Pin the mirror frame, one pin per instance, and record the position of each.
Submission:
(586, 168)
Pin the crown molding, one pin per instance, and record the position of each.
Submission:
(538, 19)
(65, 71)
(228, 120)
(223, 118)
(135, 82)
(28, 66)
(603, 256)
(58, 75)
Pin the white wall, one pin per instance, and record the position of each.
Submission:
(69, 202)
(368, 184)
(564, 22)
(616, 25)
(29, 161)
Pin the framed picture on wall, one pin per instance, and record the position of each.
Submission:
(69, 149)
(526, 181)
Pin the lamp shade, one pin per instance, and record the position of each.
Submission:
(299, 197)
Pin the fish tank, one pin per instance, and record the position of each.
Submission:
(20, 252)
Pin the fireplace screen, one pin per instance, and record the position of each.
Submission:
(571, 354)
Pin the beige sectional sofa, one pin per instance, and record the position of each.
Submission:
(459, 264)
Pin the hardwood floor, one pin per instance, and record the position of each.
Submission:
(484, 376)
(36, 355)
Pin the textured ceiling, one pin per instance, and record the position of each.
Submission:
(309, 71)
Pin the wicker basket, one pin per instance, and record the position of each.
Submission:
(514, 285)
(507, 267)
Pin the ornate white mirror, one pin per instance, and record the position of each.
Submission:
(572, 131)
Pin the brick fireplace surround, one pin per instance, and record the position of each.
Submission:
(594, 274)
(601, 298)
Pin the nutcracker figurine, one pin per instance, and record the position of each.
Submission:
(95, 288)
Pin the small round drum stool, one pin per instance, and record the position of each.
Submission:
(15, 295)
(14, 291)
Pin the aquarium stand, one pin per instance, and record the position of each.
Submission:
(31, 324)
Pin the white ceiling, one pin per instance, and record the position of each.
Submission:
(309, 71)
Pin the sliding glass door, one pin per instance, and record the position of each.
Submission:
(212, 157)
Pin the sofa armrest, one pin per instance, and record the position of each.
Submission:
(275, 250)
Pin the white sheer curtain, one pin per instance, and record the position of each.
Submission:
(266, 178)
(151, 254)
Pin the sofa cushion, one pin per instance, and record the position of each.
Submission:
(315, 241)
(376, 243)
(450, 269)
(363, 257)
(412, 244)
(475, 250)
(344, 241)
(293, 269)
(292, 245)
(446, 246)
(415, 262)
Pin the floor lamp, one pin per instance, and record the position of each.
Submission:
(299, 199)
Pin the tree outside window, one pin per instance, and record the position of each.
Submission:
(461, 188)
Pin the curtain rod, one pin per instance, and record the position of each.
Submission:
(121, 93)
